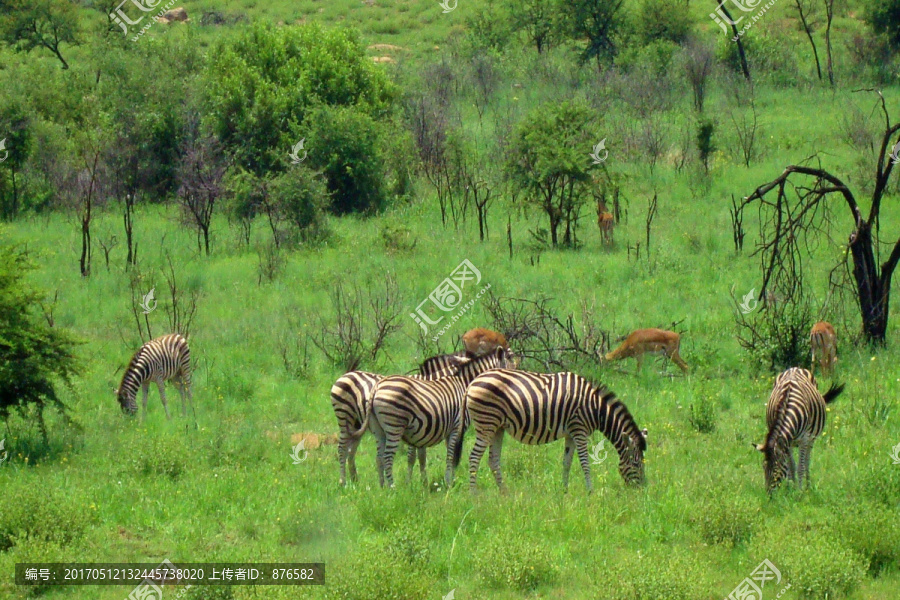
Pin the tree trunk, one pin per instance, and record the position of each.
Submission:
(873, 295)
(127, 217)
(809, 35)
(740, 45)
(206, 238)
(829, 11)
(86, 242)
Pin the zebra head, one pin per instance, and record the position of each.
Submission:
(127, 399)
(776, 463)
(631, 458)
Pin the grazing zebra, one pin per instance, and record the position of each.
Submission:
(161, 359)
(424, 413)
(538, 408)
(351, 395)
(795, 416)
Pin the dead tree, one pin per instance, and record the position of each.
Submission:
(363, 322)
(651, 214)
(829, 17)
(201, 175)
(182, 307)
(737, 225)
(806, 12)
(737, 38)
(799, 209)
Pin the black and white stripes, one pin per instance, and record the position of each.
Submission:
(159, 360)
(425, 413)
(795, 416)
(538, 408)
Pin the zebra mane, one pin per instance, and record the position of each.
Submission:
(428, 364)
(618, 409)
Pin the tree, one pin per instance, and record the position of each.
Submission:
(261, 85)
(299, 197)
(201, 176)
(34, 356)
(806, 12)
(883, 16)
(30, 24)
(15, 125)
(344, 143)
(551, 166)
(598, 22)
(538, 19)
(798, 209)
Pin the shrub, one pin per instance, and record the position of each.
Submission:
(516, 562)
(703, 414)
(729, 522)
(345, 144)
(884, 18)
(365, 575)
(299, 197)
(397, 238)
(155, 455)
(663, 20)
(814, 560)
(642, 576)
(34, 512)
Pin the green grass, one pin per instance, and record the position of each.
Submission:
(118, 489)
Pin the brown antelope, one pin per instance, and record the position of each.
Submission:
(481, 341)
(649, 341)
(823, 342)
(606, 222)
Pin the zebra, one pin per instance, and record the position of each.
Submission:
(795, 416)
(539, 408)
(161, 359)
(351, 395)
(424, 413)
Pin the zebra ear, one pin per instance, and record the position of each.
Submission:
(644, 432)
(760, 447)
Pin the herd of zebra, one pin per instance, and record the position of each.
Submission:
(482, 387)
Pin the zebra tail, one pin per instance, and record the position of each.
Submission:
(365, 424)
(457, 448)
(832, 393)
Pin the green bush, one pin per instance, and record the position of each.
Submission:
(345, 143)
(663, 20)
(368, 575)
(32, 511)
(511, 561)
(727, 521)
(300, 198)
(155, 455)
(884, 18)
(703, 414)
(29, 549)
(873, 531)
(643, 576)
(811, 557)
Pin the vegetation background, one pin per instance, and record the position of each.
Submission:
(182, 140)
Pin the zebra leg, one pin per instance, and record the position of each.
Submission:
(793, 465)
(378, 431)
(581, 445)
(494, 459)
(478, 449)
(343, 438)
(162, 396)
(391, 444)
(422, 469)
(805, 450)
(567, 460)
(145, 387)
(351, 458)
(410, 462)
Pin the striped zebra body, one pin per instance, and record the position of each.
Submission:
(162, 359)
(539, 408)
(424, 413)
(351, 397)
(795, 416)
